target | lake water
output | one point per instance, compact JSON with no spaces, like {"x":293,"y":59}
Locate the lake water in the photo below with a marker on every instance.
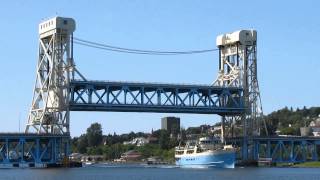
{"x":140,"y":172}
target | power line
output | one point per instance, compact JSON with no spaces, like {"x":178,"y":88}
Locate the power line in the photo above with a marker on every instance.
{"x":136,"y":51}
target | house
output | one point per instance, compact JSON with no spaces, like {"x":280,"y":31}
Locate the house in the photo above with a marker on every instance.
{"x":139,"y":141}
{"x":131,"y":155}
{"x":75,"y":156}
{"x":315,"y":126}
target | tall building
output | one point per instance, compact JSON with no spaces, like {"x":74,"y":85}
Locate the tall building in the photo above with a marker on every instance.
{"x":171,"y":124}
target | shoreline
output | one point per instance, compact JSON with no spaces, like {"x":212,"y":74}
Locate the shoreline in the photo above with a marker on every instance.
{"x":313,"y":164}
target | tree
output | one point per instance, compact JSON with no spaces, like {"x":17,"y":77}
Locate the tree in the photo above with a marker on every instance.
{"x":74,"y":144}
{"x":288,"y":131}
{"x":131,"y":135}
{"x":82,"y":143}
{"x":94,"y":135}
{"x":164,"y":139}
{"x":193,"y":130}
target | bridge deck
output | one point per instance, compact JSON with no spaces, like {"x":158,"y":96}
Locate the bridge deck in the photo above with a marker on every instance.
{"x":154,"y":97}
{"x":12,"y":135}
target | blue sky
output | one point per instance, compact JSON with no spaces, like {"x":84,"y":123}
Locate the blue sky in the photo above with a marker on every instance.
{"x":288,"y":44}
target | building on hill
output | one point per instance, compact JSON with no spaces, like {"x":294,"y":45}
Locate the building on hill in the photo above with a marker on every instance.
{"x":152,"y":139}
{"x":75,"y":156}
{"x":171,"y":124}
{"x":305,"y":131}
{"x":315,"y":126}
{"x":139,"y":141}
{"x":131,"y":155}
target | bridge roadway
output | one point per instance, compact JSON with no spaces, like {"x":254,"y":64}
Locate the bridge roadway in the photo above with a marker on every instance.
{"x":154,"y":97}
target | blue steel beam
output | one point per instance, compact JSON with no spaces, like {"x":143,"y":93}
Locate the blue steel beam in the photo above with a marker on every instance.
{"x":153,"y":97}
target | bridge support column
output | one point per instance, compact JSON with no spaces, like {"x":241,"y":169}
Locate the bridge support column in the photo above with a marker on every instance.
{"x":223,"y":129}
{"x":6,"y":160}
{"x":268,"y":149}
{"x":315,"y":152}
{"x":49,"y":111}
{"x":256,"y":150}
{"x":291,"y":151}
{"x":245,"y":149}
{"x":238,"y":68}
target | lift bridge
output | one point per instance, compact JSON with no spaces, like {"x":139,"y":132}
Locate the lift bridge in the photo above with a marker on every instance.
{"x":61,"y":88}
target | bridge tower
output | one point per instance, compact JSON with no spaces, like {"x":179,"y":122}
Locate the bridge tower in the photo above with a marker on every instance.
{"x":49,"y":111}
{"x":238,"y":68}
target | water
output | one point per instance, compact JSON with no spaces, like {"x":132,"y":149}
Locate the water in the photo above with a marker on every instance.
{"x":140,"y":172}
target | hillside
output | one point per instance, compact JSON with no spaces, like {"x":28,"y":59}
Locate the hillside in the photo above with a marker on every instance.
{"x":288,"y":121}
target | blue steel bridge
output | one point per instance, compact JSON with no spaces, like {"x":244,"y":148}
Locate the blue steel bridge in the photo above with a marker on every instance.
{"x":46,"y":149}
{"x":60,"y":88}
{"x":155,"y":97}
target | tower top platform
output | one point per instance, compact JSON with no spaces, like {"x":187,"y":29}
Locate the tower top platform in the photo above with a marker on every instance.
{"x":244,"y":37}
{"x":61,"y":24}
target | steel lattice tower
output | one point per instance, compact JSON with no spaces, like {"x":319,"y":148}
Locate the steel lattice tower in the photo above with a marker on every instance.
{"x":49,"y":111}
{"x":238,"y":68}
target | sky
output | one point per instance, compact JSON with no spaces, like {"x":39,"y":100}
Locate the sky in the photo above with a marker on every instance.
{"x":288,"y":47}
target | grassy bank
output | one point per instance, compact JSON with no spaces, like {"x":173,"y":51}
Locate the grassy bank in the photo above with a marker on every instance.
{"x":314,"y":164}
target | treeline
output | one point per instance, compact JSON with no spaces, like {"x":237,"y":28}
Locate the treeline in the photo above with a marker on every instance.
{"x":111,"y":146}
{"x":288,"y":120}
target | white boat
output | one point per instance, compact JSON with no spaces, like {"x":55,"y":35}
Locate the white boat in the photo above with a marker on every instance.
{"x":205,"y":152}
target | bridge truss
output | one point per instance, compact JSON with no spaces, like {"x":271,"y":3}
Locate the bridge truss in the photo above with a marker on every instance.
{"x":154,"y":97}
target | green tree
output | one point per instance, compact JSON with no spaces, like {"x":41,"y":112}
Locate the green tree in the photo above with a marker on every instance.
{"x":164,"y":139}
{"x":74,"y":144}
{"x":94,"y":135}
{"x":95,"y":150}
{"x":288,"y":131}
{"x":82,"y":144}
{"x":193,"y":130}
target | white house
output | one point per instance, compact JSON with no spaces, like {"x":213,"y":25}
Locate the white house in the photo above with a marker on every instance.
{"x":315,"y":126}
{"x":139,"y":141}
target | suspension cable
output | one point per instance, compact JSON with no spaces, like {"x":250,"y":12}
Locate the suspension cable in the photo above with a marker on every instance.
{"x":135,"y":51}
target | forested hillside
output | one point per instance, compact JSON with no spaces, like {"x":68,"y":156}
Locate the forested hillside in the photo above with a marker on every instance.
{"x":288,"y":120}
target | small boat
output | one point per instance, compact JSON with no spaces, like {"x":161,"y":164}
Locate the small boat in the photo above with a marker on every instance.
{"x":205,"y":152}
